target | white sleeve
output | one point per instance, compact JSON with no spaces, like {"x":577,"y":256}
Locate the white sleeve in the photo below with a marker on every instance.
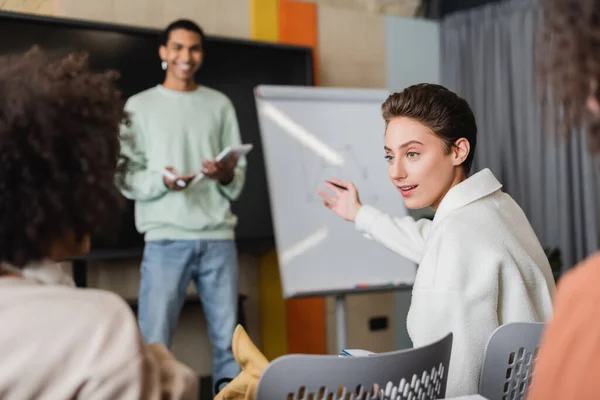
{"x":141,"y":183}
{"x":404,"y":236}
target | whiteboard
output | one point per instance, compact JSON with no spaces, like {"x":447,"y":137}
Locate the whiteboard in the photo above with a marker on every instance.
{"x":310,"y":134}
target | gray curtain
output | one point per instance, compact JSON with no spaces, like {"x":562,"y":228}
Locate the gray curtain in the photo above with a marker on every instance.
{"x":487,"y":57}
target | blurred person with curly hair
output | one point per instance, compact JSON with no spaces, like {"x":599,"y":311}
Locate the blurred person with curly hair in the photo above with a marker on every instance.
{"x":59,"y":155}
{"x":568,"y":63}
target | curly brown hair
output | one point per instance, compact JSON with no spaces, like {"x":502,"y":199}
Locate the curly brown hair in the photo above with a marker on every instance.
{"x":59,"y":153}
{"x":568,"y":63}
{"x":449,"y":116}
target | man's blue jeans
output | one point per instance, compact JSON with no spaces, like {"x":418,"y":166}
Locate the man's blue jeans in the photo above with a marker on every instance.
{"x":167,"y":268}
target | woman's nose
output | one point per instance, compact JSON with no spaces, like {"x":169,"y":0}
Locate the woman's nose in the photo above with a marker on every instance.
{"x":397,"y":170}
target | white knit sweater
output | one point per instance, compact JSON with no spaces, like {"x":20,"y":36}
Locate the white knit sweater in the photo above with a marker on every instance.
{"x":480,"y":266}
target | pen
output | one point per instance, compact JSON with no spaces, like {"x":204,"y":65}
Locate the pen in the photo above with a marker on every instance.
{"x":171,"y":175}
{"x":337,"y":186}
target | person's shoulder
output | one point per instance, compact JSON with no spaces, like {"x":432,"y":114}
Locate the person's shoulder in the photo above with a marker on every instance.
{"x":71,"y":305}
{"x":138,"y":100}
{"x":101,"y":305}
{"x":497,"y":208}
{"x":215,"y":96}
{"x":478,"y":227}
{"x":472,"y":220}
{"x":110,"y":301}
{"x":90,"y":315}
{"x":99,"y":321}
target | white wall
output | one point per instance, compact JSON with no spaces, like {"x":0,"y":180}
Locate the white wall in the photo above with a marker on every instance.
{"x":412,"y":52}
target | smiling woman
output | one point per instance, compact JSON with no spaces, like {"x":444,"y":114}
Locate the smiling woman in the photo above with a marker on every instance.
{"x":480,"y":263}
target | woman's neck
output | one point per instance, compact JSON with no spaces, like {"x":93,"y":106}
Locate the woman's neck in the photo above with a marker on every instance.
{"x":459,"y":176}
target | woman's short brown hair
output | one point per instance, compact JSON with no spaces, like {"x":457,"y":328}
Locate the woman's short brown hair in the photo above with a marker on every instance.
{"x":449,"y":116}
{"x":59,"y":153}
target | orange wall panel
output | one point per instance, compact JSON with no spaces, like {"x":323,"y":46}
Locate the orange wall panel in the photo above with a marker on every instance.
{"x":306,"y":329}
{"x":298,"y":25}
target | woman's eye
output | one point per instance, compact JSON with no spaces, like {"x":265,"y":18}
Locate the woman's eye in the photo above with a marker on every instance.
{"x":412,"y":155}
{"x":388,"y":158}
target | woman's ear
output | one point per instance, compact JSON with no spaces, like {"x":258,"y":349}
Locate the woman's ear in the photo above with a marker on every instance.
{"x":461,"y":151}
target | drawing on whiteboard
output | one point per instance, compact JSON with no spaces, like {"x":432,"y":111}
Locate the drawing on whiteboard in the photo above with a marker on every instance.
{"x":317,"y":171}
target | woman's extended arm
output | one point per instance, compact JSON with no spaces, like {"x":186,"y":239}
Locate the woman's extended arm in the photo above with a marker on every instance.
{"x":404,"y":236}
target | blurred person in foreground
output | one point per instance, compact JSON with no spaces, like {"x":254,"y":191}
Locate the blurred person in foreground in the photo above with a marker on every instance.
{"x":569,"y":66}
{"x":60,"y":146}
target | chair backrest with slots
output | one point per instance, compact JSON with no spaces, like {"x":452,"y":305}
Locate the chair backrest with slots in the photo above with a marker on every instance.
{"x":416,"y":374}
{"x":509,"y":361}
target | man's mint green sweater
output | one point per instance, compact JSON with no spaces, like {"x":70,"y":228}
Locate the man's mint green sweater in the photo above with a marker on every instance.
{"x":180,"y":129}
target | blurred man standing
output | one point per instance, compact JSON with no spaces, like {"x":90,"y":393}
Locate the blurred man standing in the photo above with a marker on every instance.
{"x":186,"y":219}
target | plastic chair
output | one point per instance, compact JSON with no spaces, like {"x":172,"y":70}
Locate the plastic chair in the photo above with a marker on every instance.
{"x":509,"y":361}
{"x":416,"y":374}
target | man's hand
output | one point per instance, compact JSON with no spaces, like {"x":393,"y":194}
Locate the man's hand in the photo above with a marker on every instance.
{"x":220,"y":171}
{"x":171,"y":184}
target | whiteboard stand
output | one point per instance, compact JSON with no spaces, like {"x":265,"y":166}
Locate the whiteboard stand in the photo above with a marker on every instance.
{"x":340,"y":321}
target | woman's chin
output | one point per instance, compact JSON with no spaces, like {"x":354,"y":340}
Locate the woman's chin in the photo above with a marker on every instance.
{"x":414,"y":204}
